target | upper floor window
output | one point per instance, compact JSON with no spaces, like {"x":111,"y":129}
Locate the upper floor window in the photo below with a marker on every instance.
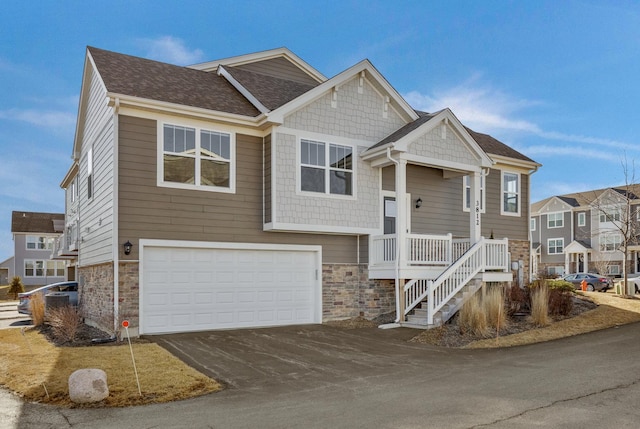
{"x":532,"y":224}
{"x":35,"y":242}
{"x":510,"y":194}
{"x":555,"y":246}
{"x":197,"y":158}
{"x":610,"y":215}
{"x":555,"y":220}
{"x":326,"y":168}
{"x":90,"y":174}
{"x":467,"y":194}
{"x":610,"y":242}
{"x":582,"y":219}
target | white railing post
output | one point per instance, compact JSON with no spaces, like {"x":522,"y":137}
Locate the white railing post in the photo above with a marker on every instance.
{"x":449,"y":249}
{"x":430,"y":305}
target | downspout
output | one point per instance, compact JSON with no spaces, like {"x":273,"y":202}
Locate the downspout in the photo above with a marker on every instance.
{"x":115,"y":246}
{"x":397,"y":261}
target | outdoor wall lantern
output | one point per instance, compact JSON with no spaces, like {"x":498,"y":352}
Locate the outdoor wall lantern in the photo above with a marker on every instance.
{"x":127,"y":247}
{"x":419,"y":203}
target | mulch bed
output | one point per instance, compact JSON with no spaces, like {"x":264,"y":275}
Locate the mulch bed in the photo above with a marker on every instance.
{"x":450,"y":334}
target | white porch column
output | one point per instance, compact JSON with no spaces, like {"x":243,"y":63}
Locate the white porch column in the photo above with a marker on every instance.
{"x":567,"y":263}
{"x":585,"y":262}
{"x":401,"y":208}
{"x":475,"y":222}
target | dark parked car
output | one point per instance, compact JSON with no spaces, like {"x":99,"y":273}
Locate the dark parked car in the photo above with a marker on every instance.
{"x":62,"y":288}
{"x":594,"y":281}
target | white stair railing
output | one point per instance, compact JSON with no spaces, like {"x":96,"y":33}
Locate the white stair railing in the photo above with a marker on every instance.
{"x":439,"y":291}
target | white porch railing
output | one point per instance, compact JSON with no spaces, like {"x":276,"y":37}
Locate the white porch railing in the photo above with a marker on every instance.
{"x":420,"y":249}
{"x":487,"y":254}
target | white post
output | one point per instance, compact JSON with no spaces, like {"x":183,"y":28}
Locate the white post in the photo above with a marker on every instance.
{"x":585,"y":262}
{"x":567,"y":263}
{"x":475,"y":223}
{"x":401,"y":208}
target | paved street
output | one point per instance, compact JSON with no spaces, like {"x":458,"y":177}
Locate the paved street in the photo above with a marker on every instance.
{"x":375,"y":379}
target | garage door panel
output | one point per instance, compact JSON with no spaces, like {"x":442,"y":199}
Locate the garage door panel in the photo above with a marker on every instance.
{"x":199,"y":289}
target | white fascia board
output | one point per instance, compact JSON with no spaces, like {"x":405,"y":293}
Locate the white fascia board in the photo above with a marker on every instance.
{"x":179,"y":109}
{"x":277,"y":115}
{"x":239,"y":60}
{"x":441,"y":163}
{"x":530,"y":166}
{"x":544,"y":208}
{"x":244,"y":91}
{"x":446,"y":114}
{"x":71,"y":174}
{"x":89,"y":69}
{"x":315,"y":229}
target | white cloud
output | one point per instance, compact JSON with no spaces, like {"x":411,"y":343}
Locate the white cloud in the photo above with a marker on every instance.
{"x":171,"y":50}
{"x":547,"y":150}
{"x":489,"y":110}
{"x":53,"y":119}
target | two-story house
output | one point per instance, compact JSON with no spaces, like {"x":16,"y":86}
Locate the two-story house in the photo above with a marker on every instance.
{"x":254,"y":191}
{"x":34,"y":237}
{"x":583,"y":232}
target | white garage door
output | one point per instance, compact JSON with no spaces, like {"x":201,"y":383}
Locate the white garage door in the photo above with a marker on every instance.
{"x":193,"y":289}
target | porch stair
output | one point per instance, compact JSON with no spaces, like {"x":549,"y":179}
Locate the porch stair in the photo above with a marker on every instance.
{"x":429,"y":303}
{"x":418,"y":318}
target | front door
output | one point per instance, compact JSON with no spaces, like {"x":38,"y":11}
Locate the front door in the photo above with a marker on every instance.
{"x":390,"y":212}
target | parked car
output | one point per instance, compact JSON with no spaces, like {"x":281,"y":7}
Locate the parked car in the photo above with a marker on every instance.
{"x":594,"y":281}
{"x":63,"y":288}
{"x":633,"y":280}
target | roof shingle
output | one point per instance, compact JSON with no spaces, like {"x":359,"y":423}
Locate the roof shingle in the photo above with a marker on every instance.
{"x":47,"y":223}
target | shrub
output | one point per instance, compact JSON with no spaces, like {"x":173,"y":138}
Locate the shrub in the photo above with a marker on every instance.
{"x":516,"y":300}
{"x":560,"y":302}
{"x":15,"y":287}
{"x":540,"y":305}
{"x":65,"y":323}
{"x":561,"y":285}
{"x":494,"y":306}
{"x":36,"y":305}
{"x":472,"y":317}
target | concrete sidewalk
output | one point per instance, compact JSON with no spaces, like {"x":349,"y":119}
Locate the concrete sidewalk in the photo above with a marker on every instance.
{"x":9,"y":316}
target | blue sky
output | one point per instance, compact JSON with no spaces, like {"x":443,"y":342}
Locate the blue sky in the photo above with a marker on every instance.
{"x":558,"y":81}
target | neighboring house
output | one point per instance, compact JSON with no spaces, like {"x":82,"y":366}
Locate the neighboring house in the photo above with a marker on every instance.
{"x":34,"y":237}
{"x":254,"y":191}
{"x":6,"y":271}
{"x":583,"y":232}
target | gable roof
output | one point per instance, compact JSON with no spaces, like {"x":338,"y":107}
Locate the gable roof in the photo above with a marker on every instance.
{"x":139,"y":77}
{"x":271,"y":92}
{"x":586,"y":198}
{"x":46,"y":223}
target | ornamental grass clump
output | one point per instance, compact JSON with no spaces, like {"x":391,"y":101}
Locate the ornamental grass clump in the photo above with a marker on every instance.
{"x":473,"y":318}
{"x":540,"y":305}
{"x":65,"y":323}
{"x":494,"y":305}
{"x":36,"y":305}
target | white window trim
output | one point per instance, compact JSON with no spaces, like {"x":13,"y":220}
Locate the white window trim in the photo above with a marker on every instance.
{"x":327,"y":193}
{"x":44,"y":262}
{"x":582,"y":216}
{"x":91,"y":179}
{"x":616,"y":242}
{"x":47,"y":240}
{"x":549,"y":246}
{"x":483,"y":194}
{"x":198,"y":127}
{"x":533,"y":224}
{"x":555,"y":220}
{"x":518,"y":192}
{"x":605,"y":211}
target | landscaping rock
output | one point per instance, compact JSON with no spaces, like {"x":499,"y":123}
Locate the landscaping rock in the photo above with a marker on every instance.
{"x":88,"y":385}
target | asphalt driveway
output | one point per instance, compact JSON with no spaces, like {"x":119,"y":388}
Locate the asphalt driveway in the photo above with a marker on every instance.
{"x":296,"y":356}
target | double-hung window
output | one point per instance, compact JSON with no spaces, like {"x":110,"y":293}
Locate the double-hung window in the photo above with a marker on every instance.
{"x":555,"y":246}
{"x":532,"y":224}
{"x":197,"y":158}
{"x":510,"y":194}
{"x":555,"y":220}
{"x":610,"y":215}
{"x":326,"y":168}
{"x":90,"y":180}
{"x":610,"y":242}
{"x":46,"y":268}
{"x":35,"y":242}
{"x":582,"y":219}
{"x":467,"y":194}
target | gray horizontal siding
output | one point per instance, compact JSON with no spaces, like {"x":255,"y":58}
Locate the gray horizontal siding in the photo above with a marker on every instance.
{"x":152,"y":212}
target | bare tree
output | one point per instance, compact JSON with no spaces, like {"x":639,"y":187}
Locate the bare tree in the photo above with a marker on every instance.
{"x":615,"y":211}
